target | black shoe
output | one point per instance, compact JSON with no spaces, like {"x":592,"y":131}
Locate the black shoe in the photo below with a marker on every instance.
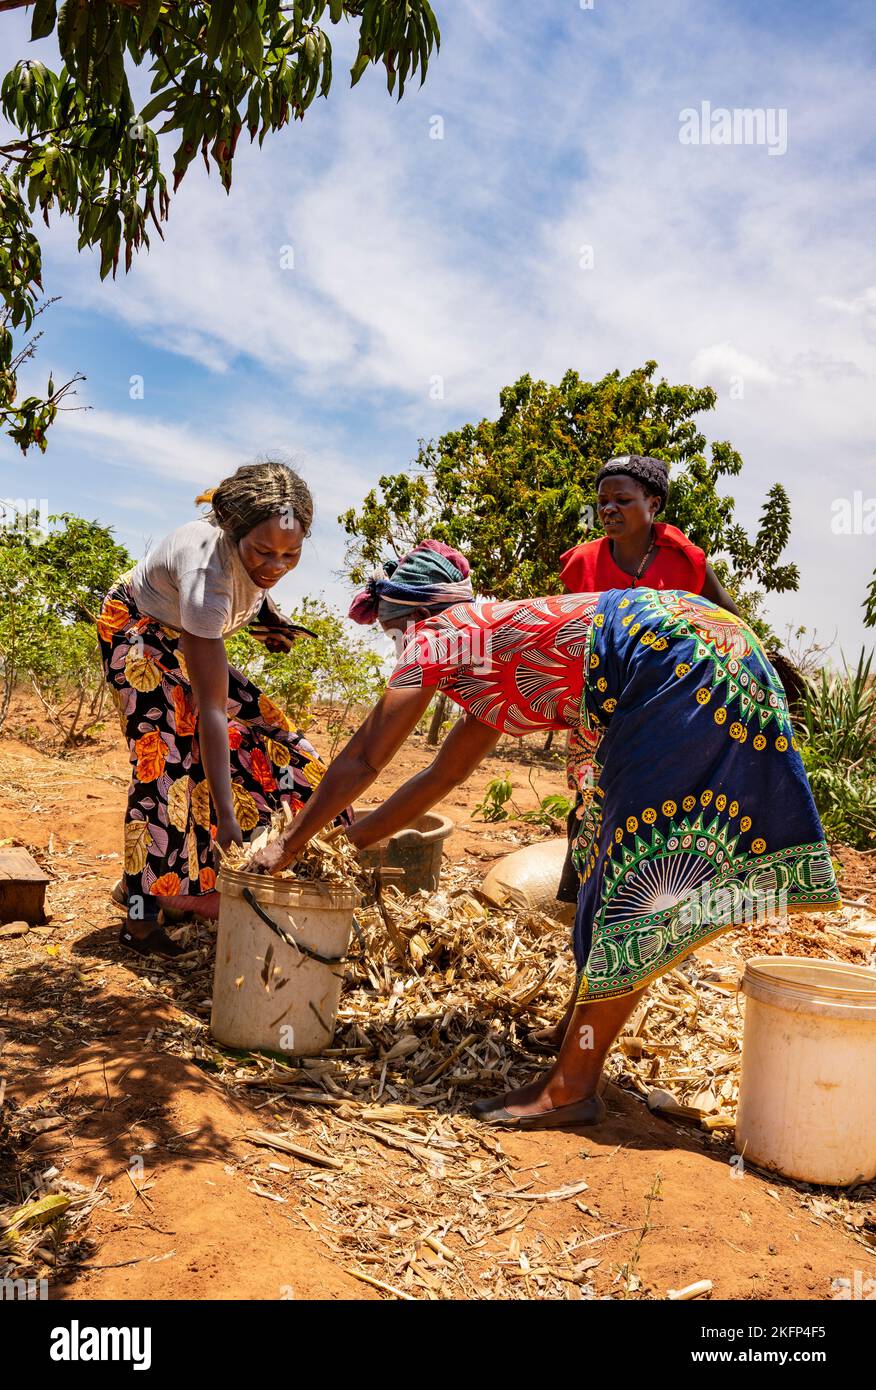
{"x":583,"y":1112}
{"x":157,"y":943}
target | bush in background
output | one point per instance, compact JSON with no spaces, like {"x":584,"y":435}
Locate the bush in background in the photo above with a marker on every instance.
{"x":333,"y":669}
{"x":838,"y":747}
{"x":51,"y":589}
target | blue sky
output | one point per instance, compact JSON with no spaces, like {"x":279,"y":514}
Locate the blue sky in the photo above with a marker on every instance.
{"x":417,"y":257}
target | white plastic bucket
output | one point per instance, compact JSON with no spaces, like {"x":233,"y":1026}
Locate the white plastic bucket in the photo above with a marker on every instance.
{"x":807,"y":1093}
{"x":270,"y":992}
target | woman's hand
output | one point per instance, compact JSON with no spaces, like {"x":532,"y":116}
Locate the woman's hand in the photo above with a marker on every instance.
{"x":467,"y":744}
{"x":357,"y":833}
{"x":272,"y":859}
{"x":228,"y":832}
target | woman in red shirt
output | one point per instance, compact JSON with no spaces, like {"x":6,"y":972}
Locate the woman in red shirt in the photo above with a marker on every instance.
{"x":638,"y":550}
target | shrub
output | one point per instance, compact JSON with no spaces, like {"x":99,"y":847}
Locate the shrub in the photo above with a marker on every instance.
{"x":838,"y":747}
{"x":51,"y":588}
{"x":334,"y":669}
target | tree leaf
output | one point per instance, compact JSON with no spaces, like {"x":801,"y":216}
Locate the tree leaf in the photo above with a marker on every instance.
{"x":150,"y":13}
{"x":219,"y":27}
{"x":358,"y":68}
{"x":44,"y":18}
{"x":164,"y":101}
{"x":252,"y":46}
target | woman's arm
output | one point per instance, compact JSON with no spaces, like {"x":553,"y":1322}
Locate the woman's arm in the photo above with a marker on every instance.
{"x":467,"y":744}
{"x":207,"y":664}
{"x":714,"y":590}
{"x":374,"y":745}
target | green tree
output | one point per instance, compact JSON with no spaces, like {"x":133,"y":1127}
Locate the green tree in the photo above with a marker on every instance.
{"x":79,"y":146}
{"x":20,"y":610}
{"x":337,"y":670}
{"x":51,"y":588}
{"x":515,"y":492}
{"x":836,"y":730}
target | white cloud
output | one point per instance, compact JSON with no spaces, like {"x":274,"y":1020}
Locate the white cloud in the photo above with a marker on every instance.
{"x":147,"y":446}
{"x":863,"y":303}
{"x":722,"y":361}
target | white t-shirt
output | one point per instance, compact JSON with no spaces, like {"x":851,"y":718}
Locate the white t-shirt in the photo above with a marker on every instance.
{"x":194,"y":580}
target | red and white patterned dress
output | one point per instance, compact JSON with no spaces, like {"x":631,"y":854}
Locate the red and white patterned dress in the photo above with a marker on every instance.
{"x":517,"y":666}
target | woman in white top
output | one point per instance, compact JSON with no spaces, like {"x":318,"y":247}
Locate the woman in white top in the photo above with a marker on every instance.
{"x":212,"y":756}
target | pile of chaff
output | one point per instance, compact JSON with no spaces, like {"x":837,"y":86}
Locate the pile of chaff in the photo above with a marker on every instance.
{"x":43,"y":1216}
{"x":327,"y":858}
{"x":371,"y":1144}
{"x":445,"y":982}
{"x":682,"y":1048}
{"x":436,"y":1006}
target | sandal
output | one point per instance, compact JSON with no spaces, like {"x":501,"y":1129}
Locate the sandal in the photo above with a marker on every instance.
{"x":157,"y":943}
{"x":582,"y":1112}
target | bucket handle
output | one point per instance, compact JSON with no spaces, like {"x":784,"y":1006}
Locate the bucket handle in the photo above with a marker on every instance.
{"x":284,"y":935}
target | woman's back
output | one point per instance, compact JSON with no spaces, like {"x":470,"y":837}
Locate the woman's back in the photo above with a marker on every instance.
{"x":517,"y":665}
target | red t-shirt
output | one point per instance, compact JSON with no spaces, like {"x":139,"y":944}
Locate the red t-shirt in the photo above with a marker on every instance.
{"x":677,"y":564}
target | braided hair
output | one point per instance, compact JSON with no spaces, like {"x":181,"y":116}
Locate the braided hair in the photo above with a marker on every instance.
{"x":256,"y":492}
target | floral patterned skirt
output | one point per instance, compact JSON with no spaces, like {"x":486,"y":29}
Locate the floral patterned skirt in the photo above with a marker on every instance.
{"x":170,"y":822}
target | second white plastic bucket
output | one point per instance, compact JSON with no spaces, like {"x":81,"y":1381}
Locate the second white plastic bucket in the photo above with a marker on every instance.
{"x":807,"y":1093}
{"x":280,"y":949}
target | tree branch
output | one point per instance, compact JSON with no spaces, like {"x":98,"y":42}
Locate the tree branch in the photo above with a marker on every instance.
{"x":26,"y":4}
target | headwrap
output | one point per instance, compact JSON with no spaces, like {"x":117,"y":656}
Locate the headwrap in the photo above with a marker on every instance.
{"x":432,"y":575}
{"x":653,"y":472}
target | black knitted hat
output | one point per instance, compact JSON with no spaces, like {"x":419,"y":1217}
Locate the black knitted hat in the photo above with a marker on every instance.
{"x":652,"y":472}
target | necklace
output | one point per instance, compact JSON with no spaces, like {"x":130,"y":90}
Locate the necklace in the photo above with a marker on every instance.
{"x":638,"y":573}
{"x":642,"y":563}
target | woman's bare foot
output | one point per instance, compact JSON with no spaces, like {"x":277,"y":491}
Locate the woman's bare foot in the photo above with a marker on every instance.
{"x":546,"y":1092}
{"x":543,"y":1104}
{"x":205,"y":905}
{"x":571,"y":1086}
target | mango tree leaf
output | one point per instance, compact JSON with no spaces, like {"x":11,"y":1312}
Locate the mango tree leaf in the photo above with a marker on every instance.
{"x":358,"y":68}
{"x":150,"y":12}
{"x":44,"y":17}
